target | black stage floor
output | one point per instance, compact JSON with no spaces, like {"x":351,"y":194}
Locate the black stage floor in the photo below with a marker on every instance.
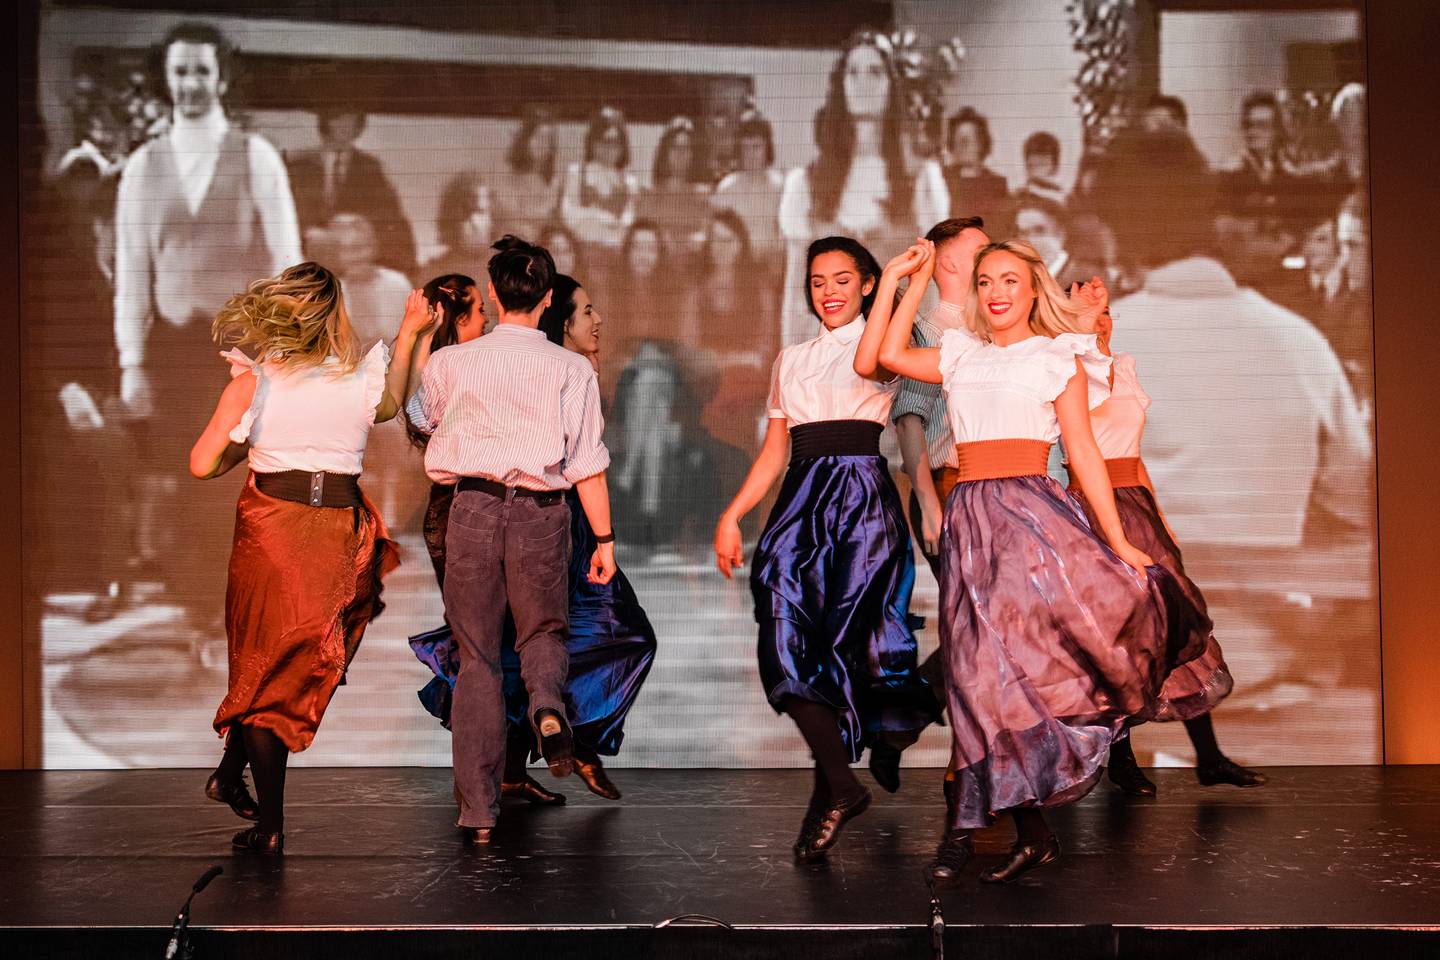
{"x":1340,"y":861}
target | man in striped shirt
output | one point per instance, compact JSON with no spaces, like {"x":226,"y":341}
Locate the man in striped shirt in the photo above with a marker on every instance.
{"x":922,"y":426}
{"x":514,"y":422}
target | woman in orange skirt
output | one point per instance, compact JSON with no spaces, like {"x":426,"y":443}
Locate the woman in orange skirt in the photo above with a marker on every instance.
{"x":309,"y":549}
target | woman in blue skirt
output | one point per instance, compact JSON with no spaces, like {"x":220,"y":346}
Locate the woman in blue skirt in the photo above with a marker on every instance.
{"x":611,"y":642}
{"x":833,"y":571}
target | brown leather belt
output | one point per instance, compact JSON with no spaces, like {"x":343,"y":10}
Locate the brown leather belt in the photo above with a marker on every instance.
{"x":319,"y":489}
{"x":498,"y":490}
{"x":998,"y":459}
{"x":1124,"y":472}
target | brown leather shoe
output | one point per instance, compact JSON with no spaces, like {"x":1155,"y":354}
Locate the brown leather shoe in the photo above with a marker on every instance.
{"x":235,"y":795}
{"x":1023,"y":858}
{"x":592,"y":772}
{"x":253,"y":841}
{"x":826,"y":832}
{"x":477,"y":836}
{"x":531,"y":792}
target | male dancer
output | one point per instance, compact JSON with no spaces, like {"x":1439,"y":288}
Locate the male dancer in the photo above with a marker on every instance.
{"x":202,"y":210}
{"x":514,"y":422}
{"x":927,"y":450}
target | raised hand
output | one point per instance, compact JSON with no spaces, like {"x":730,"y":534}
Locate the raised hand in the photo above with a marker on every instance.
{"x":420,"y":316}
{"x":906,"y":262}
{"x":1092,"y":298}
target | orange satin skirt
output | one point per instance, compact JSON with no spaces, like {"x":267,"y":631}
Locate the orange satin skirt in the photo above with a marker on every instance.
{"x":304,"y":583}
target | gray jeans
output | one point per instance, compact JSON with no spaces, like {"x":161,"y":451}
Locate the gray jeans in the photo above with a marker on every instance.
{"x":502,"y":552}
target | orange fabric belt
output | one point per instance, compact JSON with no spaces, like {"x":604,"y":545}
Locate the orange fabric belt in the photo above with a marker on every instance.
{"x":945,"y":479}
{"x":996,"y":459}
{"x":1124,"y":472}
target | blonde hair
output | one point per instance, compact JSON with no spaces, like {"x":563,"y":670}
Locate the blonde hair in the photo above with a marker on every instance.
{"x":1052,"y":312}
{"x":297,"y":319}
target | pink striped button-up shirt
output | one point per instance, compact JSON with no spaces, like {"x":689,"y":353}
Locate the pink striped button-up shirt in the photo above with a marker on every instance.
{"x":511,"y":406}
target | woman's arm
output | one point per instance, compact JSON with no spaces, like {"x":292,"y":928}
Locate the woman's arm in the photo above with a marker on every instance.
{"x":1072,"y":408}
{"x":896,"y":351}
{"x":214,"y":454}
{"x":769,"y":463}
{"x":867,"y":352}
{"x":419,"y":318}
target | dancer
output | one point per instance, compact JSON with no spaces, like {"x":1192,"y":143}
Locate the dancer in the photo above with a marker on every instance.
{"x":514,"y":422}
{"x":611,"y":643}
{"x":1193,"y":689}
{"x":833,"y":570}
{"x":310,"y":549}
{"x":1054,"y":639}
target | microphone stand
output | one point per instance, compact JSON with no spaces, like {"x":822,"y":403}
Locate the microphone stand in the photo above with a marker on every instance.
{"x":180,"y":947}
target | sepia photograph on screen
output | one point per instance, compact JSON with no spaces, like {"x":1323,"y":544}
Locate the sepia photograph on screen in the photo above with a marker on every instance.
{"x":677,"y":164}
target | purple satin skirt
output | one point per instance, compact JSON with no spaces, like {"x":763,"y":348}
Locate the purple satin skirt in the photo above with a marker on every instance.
{"x":1194,"y":687}
{"x":1052,"y":646}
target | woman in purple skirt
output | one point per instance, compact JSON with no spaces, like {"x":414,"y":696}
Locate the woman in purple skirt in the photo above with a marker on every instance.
{"x":1193,"y":689}
{"x":1055,"y":636}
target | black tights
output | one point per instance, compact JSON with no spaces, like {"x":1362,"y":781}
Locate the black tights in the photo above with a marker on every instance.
{"x":1202,"y":737}
{"x":820,"y":726}
{"x":233,"y":760}
{"x":268,"y":757}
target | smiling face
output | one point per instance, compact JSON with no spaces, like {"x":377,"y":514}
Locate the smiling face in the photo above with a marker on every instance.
{"x":837,"y":290}
{"x":753,"y":154}
{"x":192,"y":71}
{"x":582,"y":330}
{"x":680,"y":156}
{"x":1005,"y":291}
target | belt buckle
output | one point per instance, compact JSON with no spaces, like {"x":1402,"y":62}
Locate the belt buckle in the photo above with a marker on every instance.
{"x":317,"y":488}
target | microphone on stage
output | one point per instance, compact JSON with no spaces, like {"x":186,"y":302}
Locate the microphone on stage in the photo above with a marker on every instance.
{"x":179,"y":947}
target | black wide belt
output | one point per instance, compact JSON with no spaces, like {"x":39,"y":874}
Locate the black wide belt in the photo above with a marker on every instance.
{"x":495,"y":488}
{"x":318,"y":489}
{"x":835,"y":438}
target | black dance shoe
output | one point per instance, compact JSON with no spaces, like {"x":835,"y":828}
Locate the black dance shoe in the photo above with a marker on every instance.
{"x":235,"y":795}
{"x":826,"y":831}
{"x":1228,"y":771}
{"x":253,"y":841}
{"x":955,"y":850}
{"x":477,"y":836}
{"x":1127,"y":775}
{"x":1023,"y":858}
{"x":885,"y":765}
{"x":558,"y":749}
{"x":592,"y":774}
{"x":530,"y":790}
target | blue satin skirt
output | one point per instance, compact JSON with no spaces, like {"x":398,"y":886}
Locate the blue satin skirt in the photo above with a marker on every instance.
{"x":832,"y":577}
{"x":611,"y":644}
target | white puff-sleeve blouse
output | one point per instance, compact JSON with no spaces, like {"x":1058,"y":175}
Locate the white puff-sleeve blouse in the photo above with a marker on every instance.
{"x":1008,"y":393}
{"x":312,"y":418}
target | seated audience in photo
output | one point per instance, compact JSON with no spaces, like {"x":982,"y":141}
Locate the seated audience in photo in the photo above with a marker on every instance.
{"x":526,"y":194}
{"x":1045,"y":226}
{"x":1042,"y":167}
{"x":341,"y":177}
{"x":597,"y":199}
{"x":465,"y":223}
{"x":1255,"y":434}
{"x":664,"y":470}
{"x":752,"y":191}
{"x":679,"y":192}
{"x":975,"y":189}
{"x":564,"y":249}
{"x":648,"y":284}
{"x":374,"y":293}
{"x":1164,"y":113}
